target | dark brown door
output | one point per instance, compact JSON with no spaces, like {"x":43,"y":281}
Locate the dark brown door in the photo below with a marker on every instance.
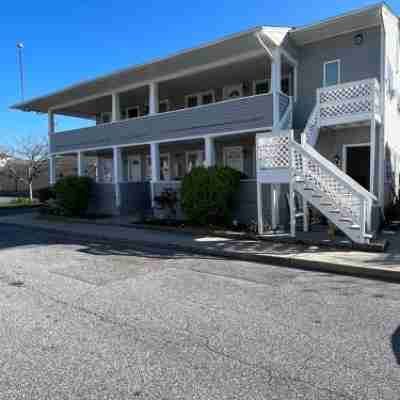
{"x":357,"y":164}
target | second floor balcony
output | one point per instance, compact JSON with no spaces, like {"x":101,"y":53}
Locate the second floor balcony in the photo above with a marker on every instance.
{"x":229,"y":99}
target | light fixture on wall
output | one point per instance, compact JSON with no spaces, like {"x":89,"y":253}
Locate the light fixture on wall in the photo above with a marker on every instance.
{"x":358,"y":39}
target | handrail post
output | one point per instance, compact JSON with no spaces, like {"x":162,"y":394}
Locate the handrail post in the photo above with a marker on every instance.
{"x":362,"y":216}
{"x":291,"y":186}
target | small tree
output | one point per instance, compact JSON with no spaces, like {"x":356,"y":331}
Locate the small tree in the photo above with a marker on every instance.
{"x":25,"y":160}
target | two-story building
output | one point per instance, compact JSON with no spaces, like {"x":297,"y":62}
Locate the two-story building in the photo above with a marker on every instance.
{"x":308,"y":112}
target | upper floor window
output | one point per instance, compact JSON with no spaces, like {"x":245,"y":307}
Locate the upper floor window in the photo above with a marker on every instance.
{"x":105,"y":118}
{"x":197,"y":99}
{"x":163,"y":106}
{"x":132,"y":112}
{"x":332,"y":73}
{"x":262,"y":86}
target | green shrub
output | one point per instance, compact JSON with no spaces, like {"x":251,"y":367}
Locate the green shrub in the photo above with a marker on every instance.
{"x":72,"y":194}
{"x":44,"y":194}
{"x":207,"y":194}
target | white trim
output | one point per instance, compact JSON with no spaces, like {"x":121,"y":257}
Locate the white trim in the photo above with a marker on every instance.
{"x":337,"y":61}
{"x":344,"y":153}
{"x":227,"y":149}
{"x":258,"y":130}
{"x":163,"y":78}
{"x":199,"y":96}
{"x":198,"y":153}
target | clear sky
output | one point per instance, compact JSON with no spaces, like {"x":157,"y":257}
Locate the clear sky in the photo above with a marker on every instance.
{"x":79,"y":39}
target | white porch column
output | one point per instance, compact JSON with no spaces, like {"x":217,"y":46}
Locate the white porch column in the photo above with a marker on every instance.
{"x":276,"y":81}
{"x":155,"y":168}
{"x":81,"y":163}
{"x":153,"y":98}
{"x":116,"y":114}
{"x":117,"y":169}
{"x":97,"y":171}
{"x":275,"y":194}
{"x":51,"y":122}
{"x":372,"y":157}
{"x":52,"y":169}
{"x":209,"y":146}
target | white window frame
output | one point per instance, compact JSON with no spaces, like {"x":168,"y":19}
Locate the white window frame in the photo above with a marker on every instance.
{"x":130,"y":158}
{"x":199,"y":96}
{"x":257,"y":81}
{"x":127,"y":109}
{"x":109,"y":113}
{"x":234,"y":148}
{"x":199,"y":153}
{"x":229,"y":88}
{"x":338,"y":62}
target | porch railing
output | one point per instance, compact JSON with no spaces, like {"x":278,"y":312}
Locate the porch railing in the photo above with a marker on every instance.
{"x":348,"y":102}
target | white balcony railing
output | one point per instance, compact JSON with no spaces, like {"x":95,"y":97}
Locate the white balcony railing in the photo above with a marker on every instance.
{"x":348,"y":102}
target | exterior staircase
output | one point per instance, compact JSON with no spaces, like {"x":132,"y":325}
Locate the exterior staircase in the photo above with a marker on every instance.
{"x":318,"y":181}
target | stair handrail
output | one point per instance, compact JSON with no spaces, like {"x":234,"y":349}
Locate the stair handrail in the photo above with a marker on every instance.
{"x":288,"y":115}
{"x":331,"y":168}
{"x":310,"y":122}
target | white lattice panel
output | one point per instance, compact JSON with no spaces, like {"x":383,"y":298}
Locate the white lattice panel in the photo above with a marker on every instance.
{"x":346,"y":92}
{"x":273,"y":152}
{"x":346,"y":109}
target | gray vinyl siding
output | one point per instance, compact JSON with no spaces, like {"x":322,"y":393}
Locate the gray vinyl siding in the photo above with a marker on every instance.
{"x":244,"y":114}
{"x":357,"y":63}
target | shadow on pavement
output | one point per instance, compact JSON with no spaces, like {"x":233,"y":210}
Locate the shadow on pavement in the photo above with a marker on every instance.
{"x":396,"y":344}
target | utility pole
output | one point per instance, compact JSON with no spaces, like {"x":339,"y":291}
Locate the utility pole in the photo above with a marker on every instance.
{"x":20,"y":47}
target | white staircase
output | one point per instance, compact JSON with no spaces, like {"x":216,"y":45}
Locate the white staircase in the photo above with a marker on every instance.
{"x":320,"y":182}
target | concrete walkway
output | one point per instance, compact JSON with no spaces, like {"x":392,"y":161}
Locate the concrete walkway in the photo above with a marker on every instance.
{"x":375,"y":265}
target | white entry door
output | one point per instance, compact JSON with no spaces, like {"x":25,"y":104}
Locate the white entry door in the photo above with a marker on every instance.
{"x":134,"y":168}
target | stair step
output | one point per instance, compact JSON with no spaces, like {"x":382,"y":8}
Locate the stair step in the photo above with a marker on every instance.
{"x":325,"y":204}
{"x":308,"y":188}
{"x":334,"y":211}
{"x":345,"y":220}
{"x":355,"y":227}
{"x":317,"y":196}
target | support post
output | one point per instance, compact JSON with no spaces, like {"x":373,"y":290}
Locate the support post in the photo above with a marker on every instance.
{"x":153,"y":98}
{"x":52,"y":169}
{"x":81,"y":163}
{"x":155,"y":168}
{"x":292,"y":204}
{"x":260,"y":209}
{"x":209,"y":151}
{"x":276,"y":82}
{"x":116,"y":114}
{"x":97,"y":170}
{"x":306,"y":216}
{"x":275,"y":193}
{"x":51,"y":122}
{"x":117,"y":161}
{"x":372,"y":155}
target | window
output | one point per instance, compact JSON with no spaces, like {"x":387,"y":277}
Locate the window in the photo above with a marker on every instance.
{"x":147,"y":169}
{"x":262,"y":86}
{"x":163,"y":106}
{"x":232,"y":91}
{"x":132,"y":112}
{"x":105,"y":117}
{"x":197,"y":99}
{"x":194,"y":159}
{"x":179,"y":166}
{"x":332,"y":73}
{"x":233,"y":157}
{"x":164,"y":167}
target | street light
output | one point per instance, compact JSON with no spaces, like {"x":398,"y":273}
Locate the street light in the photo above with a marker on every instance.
{"x":20,"y":47}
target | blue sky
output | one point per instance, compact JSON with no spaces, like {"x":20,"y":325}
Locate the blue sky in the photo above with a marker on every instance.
{"x":86,"y":38}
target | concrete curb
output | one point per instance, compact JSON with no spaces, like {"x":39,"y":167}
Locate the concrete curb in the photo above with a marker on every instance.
{"x":382,"y":274}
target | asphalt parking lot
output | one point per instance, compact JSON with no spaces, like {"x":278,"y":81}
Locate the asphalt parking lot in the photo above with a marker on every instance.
{"x":83,"y":319}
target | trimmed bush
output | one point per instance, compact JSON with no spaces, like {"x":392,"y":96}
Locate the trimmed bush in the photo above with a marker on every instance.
{"x":207,"y":195}
{"x":72,"y":194}
{"x":44,"y":194}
